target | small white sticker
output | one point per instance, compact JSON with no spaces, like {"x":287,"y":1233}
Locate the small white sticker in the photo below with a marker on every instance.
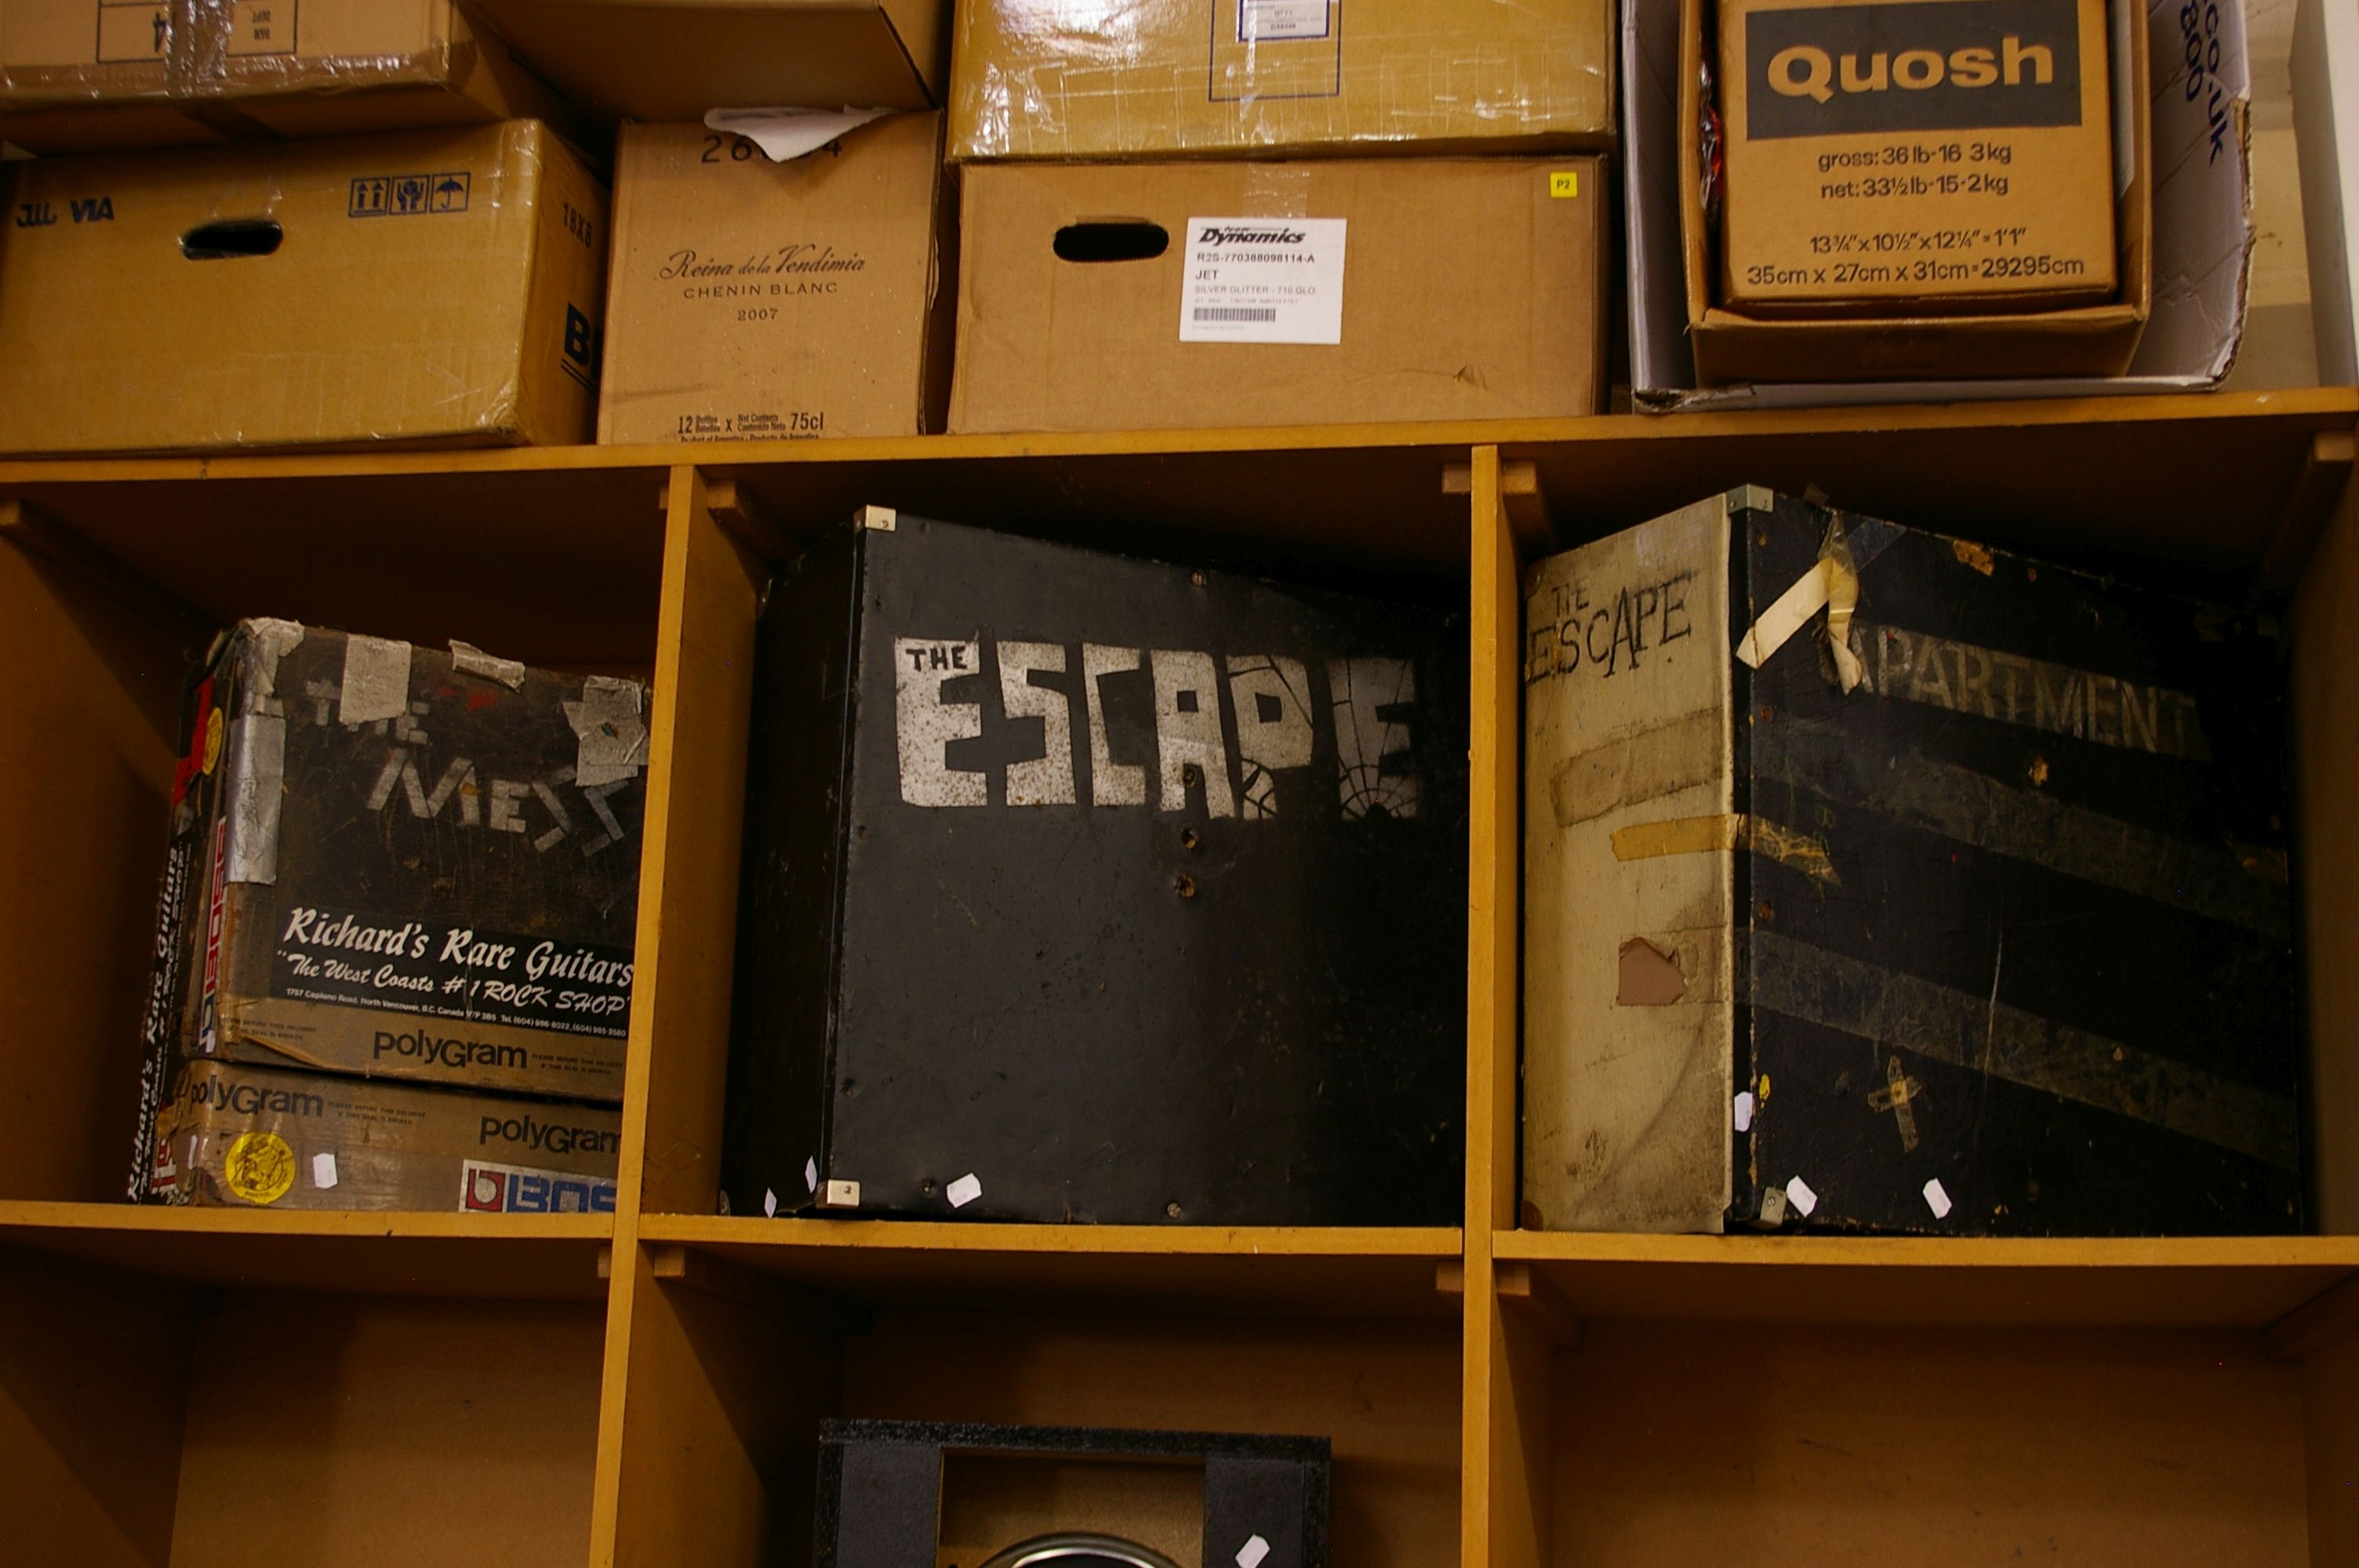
{"x":963,"y":1191}
{"x":1937,"y":1198}
{"x":1250,"y":1554}
{"x":1263,"y":280}
{"x":769,"y":1204}
{"x":1742,"y":1111}
{"x":810,"y":1174}
{"x":1798,"y":1194}
{"x":1260,"y":19}
{"x":323,"y":1171}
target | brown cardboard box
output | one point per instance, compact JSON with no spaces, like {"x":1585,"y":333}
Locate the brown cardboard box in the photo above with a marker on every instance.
{"x":674,"y":60}
{"x":1948,"y":155}
{"x":749,"y":299}
{"x":440,"y":286}
{"x":1163,"y":77}
{"x":1470,"y":288}
{"x":191,"y":70}
{"x":1930,"y":342}
{"x":240,"y":1137}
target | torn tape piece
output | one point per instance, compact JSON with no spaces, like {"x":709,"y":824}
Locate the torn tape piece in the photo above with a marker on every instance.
{"x":323,"y":1170}
{"x":267,"y":642}
{"x":256,"y":788}
{"x":1251,"y":1553}
{"x":1702,"y":835}
{"x":1937,"y":1198}
{"x":1831,"y":585}
{"x":785,"y":134}
{"x":1798,"y":1194}
{"x":810,"y":1174}
{"x":769,"y":1204}
{"x":1741,"y":1111}
{"x":376,"y":680}
{"x":963,"y":1191}
{"x":612,"y":737}
{"x":471,"y":660}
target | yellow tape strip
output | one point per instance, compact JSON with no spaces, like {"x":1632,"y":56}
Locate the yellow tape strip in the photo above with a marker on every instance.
{"x":1703,"y":835}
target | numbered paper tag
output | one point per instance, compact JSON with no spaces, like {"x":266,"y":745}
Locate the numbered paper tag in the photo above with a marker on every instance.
{"x":1263,"y":280}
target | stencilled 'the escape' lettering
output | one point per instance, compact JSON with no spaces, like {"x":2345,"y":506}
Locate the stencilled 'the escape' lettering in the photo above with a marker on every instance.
{"x":1609,"y":634}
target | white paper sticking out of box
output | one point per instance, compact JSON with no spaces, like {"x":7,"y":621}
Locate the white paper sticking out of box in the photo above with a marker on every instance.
{"x":1263,"y":280}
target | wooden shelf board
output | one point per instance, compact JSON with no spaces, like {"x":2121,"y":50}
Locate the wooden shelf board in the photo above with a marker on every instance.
{"x":520,"y":1257}
{"x":1260,"y":1271}
{"x":2205,"y":479}
{"x":2183,"y":1283}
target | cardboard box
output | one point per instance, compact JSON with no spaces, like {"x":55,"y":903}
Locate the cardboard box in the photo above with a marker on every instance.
{"x":400,"y":863}
{"x":1085,"y":889}
{"x":1264,"y":78}
{"x":1880,"y":881}
{"x":2200,"y":236}
{"x":105,"y":75}
{"x":237,"y":1136}
{"x":1913,"y":156}
{"x":675,"y":60}
{"x":1468,"y":289}
{"x":1738,"y":343}
{"x":2325,"y":63}
{"x":747,"y":299}
{"x":436,"y":286}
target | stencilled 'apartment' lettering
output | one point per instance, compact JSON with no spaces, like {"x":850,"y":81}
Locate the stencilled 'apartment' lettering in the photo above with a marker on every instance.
{"x":1916,"y":666}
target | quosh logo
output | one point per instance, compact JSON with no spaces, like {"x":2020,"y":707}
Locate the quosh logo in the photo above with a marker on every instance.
{"x":1947,"y":65}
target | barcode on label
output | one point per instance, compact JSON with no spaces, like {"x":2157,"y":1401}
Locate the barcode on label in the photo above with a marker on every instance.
{"x":1236,"y":313}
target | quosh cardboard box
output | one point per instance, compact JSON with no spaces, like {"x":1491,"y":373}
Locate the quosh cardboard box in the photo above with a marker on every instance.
{"x":101,"y":75}
{"x":1733,"y":341}
{"x":749,"y":299}
{"x":1096,"y":297}
{"x":1163,"y":77}
{"x":436,"y":286}
{"x":1884,"y":155}
{"x":2198,"y":221}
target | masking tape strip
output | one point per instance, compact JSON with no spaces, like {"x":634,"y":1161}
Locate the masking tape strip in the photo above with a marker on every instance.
{"x":1832,"y":585}
{"x":1839,"y":992}
{"x":1702,"y":835}
{"x":376,"y":680}
{"x":471,"y":660}
{"x":1277,"y":191}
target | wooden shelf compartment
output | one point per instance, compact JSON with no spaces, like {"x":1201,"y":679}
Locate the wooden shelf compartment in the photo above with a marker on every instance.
{"x":729,"y":1371}
{"x":100,"y":643}
{"x":146,"y":1421}
{"x":1775,"y":1400}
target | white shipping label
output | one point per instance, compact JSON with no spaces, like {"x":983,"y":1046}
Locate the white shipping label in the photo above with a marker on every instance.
{"x":1258,"y":20}
{"x":1263,"y":280}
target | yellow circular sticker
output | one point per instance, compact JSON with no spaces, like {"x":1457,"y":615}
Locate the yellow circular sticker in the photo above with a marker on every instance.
{"x":260,"y":1167}
{"x":212,"y":739}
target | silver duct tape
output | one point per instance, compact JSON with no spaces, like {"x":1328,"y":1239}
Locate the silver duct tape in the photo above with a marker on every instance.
{"x":473,"y":661}
{"x":1982,"y":1034}
{"x":254,"y":786}
{"x":612,"y":736}
{"x":376,"y":680}
{"x":267,"y":642}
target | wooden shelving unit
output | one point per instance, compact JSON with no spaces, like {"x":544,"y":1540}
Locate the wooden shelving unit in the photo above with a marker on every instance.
{"x":191,"y":1388}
